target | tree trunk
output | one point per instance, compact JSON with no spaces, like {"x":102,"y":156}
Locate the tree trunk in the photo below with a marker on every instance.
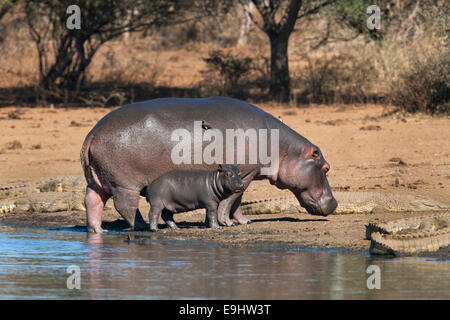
{"x":279,"y":68}
{"x":71,"y":62}
{"x":245,"y":25}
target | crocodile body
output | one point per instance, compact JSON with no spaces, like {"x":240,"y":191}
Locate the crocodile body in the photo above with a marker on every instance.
{"x":43,"y":202}
{"x":411,"y":236}
{"x":54,"y":184}
{"x":349,"y":202}
{"x":59,"y":193}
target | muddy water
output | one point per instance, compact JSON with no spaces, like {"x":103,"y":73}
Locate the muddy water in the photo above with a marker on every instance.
{"x":34,"y":264}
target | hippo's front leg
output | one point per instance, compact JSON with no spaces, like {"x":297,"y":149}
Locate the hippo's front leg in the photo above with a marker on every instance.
{"x":236,"y":213}
{"x":168,"y":219}
{"x":224,"y":210}
{"x":211,"y":217}
{"x":230,"y":207}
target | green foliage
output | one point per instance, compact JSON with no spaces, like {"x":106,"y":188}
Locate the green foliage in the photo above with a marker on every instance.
{"x":5,"y":6}
{"x":353,"y":15}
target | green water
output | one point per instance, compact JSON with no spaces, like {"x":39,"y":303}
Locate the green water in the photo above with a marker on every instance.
{"x":34,"y":265}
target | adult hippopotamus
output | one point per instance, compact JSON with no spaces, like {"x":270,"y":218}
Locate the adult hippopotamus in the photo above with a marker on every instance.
{"x":135,"y":144}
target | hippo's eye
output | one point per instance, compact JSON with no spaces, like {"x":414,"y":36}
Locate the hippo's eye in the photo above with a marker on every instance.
{"x":315,"y":154}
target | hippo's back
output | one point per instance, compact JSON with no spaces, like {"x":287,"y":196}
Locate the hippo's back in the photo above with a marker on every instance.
{"x":170,"y":112}
{"x":131,"y":146}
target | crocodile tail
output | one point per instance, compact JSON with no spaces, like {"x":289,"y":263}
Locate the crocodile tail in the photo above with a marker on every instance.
{"x":373,"y":227}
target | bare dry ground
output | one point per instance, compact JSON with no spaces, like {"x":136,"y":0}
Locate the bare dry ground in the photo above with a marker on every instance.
{"x":368,"y":148}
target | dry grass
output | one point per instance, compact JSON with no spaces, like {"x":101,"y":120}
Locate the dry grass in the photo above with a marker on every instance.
{"x":417,"y":76}
{"x":343,"y":78}
{"x":18,"y":60}
{"x":411,"y":73}
{"x":171,"y":61}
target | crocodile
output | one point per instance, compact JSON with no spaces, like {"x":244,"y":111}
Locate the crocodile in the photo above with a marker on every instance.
{"x":411,"y":236}
{"x":349,"y":202}
{"x":54,"y":184}
{"x":48,"y":202}
{"x":408,"y":236}
{"x":59,"y":193}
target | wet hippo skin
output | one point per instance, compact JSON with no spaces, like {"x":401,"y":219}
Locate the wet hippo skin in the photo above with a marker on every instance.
{"x":132,"y":146}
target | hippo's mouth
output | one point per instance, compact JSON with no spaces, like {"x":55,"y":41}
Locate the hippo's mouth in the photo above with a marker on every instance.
{"x":312,"y":208}
{"x":323,"y":207}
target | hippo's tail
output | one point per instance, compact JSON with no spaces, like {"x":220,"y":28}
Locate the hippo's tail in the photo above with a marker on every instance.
{"x":84,"y":157}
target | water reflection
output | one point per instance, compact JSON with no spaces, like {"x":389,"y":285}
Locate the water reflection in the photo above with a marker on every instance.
{"x":95,"y":256}
{"x":34,"y":263}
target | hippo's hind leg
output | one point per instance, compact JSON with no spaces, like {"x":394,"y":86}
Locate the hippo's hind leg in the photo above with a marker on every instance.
{"x":126,"y":203}
{"x":168,"y":219}
{"x":94,"y":202}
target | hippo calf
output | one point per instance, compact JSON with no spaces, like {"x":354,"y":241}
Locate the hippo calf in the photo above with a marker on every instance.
{"x":185,"y":190}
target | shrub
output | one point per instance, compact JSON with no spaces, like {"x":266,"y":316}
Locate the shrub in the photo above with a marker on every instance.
{"x":229,"y":69}
{"x":345,"y":78}
{"x":425,"y":87}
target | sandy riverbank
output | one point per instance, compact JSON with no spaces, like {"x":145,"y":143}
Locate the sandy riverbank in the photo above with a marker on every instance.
{"x":367,"y":150}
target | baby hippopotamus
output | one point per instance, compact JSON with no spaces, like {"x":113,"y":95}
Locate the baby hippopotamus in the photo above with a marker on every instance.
{"x":185,"y":190}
